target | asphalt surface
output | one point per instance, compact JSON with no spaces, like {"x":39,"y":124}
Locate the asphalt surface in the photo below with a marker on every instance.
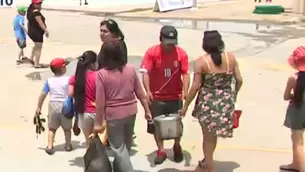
{"x":260,"y":144}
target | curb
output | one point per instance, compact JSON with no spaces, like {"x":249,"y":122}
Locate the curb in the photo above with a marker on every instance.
{"x":92,"y":11}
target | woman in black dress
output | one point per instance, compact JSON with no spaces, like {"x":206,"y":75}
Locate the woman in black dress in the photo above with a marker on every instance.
{"x":36,"y":29}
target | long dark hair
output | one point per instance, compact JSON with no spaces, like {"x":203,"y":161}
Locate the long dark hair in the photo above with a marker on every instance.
{"x":299,"y":90}
{"x":213,"y":45}
{"x":114,"y":29}
{"x":29,"y":10}
{"x":85,"y":62}
{"x":112,"y":55}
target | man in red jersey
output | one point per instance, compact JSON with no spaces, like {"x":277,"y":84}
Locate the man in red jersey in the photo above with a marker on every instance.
{"x":162,"y":68}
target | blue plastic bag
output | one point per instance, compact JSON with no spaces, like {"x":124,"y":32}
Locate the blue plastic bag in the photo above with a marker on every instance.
{"x":68,"y":108}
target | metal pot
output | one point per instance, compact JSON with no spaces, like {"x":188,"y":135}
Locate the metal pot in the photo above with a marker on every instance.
{"x":168,"y":126}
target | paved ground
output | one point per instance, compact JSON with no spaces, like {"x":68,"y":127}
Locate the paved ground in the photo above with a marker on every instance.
{"x":229,"y":10}
{"x":240,"y":10}
{"x":260,"y":144}
{"x":232,"y":10}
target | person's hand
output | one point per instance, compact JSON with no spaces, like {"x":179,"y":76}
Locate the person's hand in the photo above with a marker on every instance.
{"x":182,"y":111}
{"x":91,"y":136}
{"x":149,"y":97}
{"x":46,"y":33}
{"x":38,"y":112}
{"x":99,"y":129}
{"x":93,"y":104}
{"x":148,"y":116}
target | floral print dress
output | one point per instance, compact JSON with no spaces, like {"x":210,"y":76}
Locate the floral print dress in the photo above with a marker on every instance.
{"x":215,"y":104}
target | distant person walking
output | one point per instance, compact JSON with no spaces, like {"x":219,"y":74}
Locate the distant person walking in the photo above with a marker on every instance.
{"x":295,"y":114}
{"x":20,"y":33}
{"x":85,"y":3}
{"x":37,"y":28}
{"x":215,"y":104}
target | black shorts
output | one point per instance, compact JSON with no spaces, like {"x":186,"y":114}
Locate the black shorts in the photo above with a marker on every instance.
{"x":36,"y":36}
{"x":158,"y":108}
{"x":21,"y":43}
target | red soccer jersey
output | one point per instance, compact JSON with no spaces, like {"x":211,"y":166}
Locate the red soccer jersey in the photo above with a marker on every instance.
{"x":165,"y":70}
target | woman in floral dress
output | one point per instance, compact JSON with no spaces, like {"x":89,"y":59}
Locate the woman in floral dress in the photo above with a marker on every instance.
{"x":214,"y":107}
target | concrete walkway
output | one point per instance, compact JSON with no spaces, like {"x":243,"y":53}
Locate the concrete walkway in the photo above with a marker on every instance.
{"x":230,"y":10}
{"x":260,"y":144}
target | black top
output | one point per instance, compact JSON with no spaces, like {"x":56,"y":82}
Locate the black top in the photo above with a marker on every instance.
{"x":124,"y":52}
{"x":33,"y":24}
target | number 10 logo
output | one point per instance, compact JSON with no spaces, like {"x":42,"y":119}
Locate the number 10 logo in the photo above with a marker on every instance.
{"x":167,"y":72}
{"x":6,"y":3}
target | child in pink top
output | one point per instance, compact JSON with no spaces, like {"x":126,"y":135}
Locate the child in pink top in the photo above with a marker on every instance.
{"x":82,"y":88}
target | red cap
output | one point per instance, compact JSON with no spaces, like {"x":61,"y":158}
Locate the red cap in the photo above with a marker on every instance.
{"x":58,"y":63}
{"x":297,"y":59}
{"x":36,"y":1}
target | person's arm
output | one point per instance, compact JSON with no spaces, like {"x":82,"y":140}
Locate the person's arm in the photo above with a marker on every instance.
{"x":100,"y":104}
{"x":140,"y":94}
{"x":38,"y":18}
{"x":197,"y":80}
{"x":21,"y":23}
{"x":42,"y":97}
{"x":238,"y":78}
{"x":71,"y":86}
{"x":288,"y":93}
{"x":185,"y":75}
{"x":146,"y":67}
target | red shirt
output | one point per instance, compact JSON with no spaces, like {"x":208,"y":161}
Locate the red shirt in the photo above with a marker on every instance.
{"x":90,"y":90}
{"x":165,"y":70}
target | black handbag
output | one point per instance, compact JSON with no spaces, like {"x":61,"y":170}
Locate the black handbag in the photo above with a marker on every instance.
{"x":96,"y":158}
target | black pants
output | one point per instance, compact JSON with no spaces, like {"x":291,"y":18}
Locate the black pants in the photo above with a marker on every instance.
{"x":159,"y":108}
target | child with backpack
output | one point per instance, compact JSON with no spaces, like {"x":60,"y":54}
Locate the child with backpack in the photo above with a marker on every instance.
{"x":57,"y":88}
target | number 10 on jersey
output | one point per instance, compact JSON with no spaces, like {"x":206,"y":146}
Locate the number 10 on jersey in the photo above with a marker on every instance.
{"x":6,"y":3}
{"x":167,"y":72}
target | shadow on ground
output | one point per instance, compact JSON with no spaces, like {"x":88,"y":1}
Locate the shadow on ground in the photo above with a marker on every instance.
{"x":79,"y":161}
{"x":170,"y":156}
{"x":61,"y":147}
{"x":223,"y":166}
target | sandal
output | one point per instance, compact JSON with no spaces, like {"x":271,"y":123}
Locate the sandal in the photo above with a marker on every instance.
{"x":18,"y":62}
{"x":49,"y":151}
{"x":40,"y":66}
{"x":201,"y":163}
{"x":25,"y":59}
{"x":68,"y":148}
{"x":288,"y":168}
